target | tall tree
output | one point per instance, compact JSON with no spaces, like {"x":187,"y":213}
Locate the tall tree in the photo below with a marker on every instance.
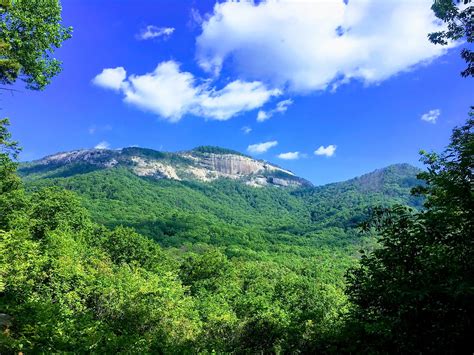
{"x":460,"y":26}
{"x":30,"y":31}
{"x":415,"y":293}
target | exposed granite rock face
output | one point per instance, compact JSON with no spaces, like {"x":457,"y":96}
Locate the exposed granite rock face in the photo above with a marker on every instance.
{"x":156,"y":169}
{"x":101,"y":157}
{"x":189,"y":165}
{"x":232,"y":165}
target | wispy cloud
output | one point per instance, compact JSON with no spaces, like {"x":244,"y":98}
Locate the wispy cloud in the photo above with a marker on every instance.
{"x":102,"y":145}
{"x":94,"y":129}
{"x":326,"y":151}
{"x":289,"y":156}
{"x":280,"y":107}
{"x":246,"y":129}
{"x":261,"y":148}
{"x":431,"y":116}
{"x":172,"y":93}
{"x":195,"y":18}
{"x":151,"y":31}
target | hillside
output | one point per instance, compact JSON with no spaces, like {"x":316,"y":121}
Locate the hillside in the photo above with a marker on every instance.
{"x":161,"y":195}
{"x":205,"y":163}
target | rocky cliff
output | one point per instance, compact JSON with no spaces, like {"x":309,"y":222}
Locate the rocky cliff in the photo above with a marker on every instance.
{"x":202,"y":164}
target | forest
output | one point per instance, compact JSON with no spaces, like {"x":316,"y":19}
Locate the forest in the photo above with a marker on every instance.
{"x":104,"y":261}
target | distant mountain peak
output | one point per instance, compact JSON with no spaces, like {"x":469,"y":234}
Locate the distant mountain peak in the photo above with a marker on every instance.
{"x":204,"y":163}
{"x":402,"y":174}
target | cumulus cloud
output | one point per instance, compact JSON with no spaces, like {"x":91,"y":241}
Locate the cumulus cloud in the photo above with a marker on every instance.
{"x":111,"y":78}
{"x":431,"y":116}
{"x":235,"y":97}
{"x":260,"y":148}
{"x":315,"y":44}
{"x":281,"y":107}
{"x":326,"y":151}
{"x":102,"y":145}
{"x":172,"y":93}
{"x":246,"y":129}
{"x":289,"y":156}
{"x":151,"y":31}
{"x":166,"y":91}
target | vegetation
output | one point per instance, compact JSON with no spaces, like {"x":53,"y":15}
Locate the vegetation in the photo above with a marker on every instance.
{"x":460,"y":26}
{"x":228,"y":213}
{"x":216,"y":150}
{"x":223,"y":267}
{"x":30,"y":31}
{"x":414,"y":294}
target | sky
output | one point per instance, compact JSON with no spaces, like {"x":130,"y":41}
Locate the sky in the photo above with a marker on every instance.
{"x":327,"y":89}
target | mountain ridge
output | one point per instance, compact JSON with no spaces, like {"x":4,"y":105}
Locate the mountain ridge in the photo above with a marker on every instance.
{"x":204,"y":163}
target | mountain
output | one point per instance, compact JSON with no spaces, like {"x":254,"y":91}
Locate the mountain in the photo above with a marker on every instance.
{"x":213,"y":196}
{"x":205,"y":163}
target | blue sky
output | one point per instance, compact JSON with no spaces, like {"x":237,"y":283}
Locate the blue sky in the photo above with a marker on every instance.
{"x":359,"y":94}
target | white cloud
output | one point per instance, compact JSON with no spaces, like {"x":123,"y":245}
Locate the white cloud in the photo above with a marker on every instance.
{"x":102,"y":145}
{"x":166,"y":91}
{"x":94,"y":129}
{"x":172,"y":93}
{"x":246,"y":129}
{"x":280,"y":107}
{"x":289,"y":155}
{"x":262,"y":116}
{"x":260,"y":148}
{"x":235,"y":97}
{"x":111,"y":78}
{"x":151,"y":31}
{"x":195,"y":18}
{"x":313,"y":44}
{"x":327,"y":151}
{"x":431,"y":116}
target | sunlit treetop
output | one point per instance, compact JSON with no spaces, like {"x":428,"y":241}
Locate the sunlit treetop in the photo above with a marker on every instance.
{"x":30,"y":31}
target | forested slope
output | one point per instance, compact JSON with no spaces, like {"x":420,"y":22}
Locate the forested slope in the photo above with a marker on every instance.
{"x":245,"y":220}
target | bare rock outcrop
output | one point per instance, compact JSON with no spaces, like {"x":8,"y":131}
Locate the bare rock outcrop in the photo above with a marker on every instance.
{"x":190,"y":165}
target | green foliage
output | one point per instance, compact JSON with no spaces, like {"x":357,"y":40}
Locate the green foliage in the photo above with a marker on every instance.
{"x":30,"y":31}
{"x":414,"y":294}
{"x":8,"y":149}
{"x":209,"y":149}
{"x":460,"y":26}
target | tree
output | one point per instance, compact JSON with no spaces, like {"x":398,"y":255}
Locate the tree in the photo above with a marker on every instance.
{"x":415,"y":293}
{"x":30,"y":31}
{"x":460,"y":25}
{"x":8,"y":149}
